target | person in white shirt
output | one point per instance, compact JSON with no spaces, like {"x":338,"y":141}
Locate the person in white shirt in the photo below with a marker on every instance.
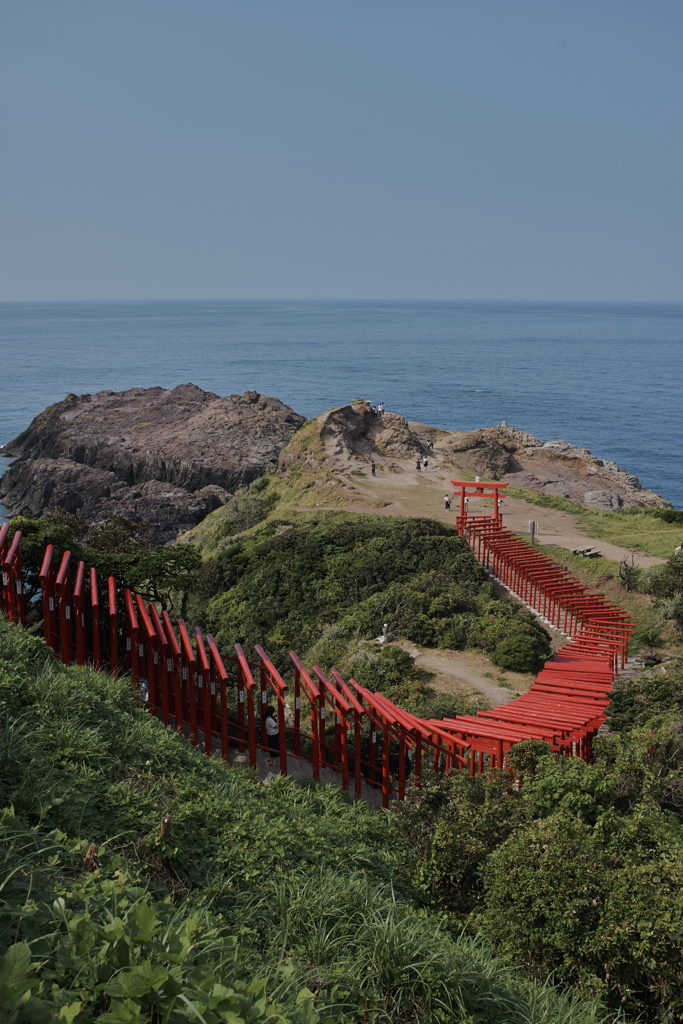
{"x":272,"y":732}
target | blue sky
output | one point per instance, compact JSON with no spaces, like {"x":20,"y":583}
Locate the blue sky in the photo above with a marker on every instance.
{"x":347,"y":149}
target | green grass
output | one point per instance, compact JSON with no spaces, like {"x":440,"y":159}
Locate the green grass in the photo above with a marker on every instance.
{"x":544,"y":500}
{"x":602,"y":576}
{"x":280,"y":903}
{"x":641,"y":532}
{"x":635,"y":530}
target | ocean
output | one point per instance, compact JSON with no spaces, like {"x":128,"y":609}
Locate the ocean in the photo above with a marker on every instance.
{"x":607,"y":376}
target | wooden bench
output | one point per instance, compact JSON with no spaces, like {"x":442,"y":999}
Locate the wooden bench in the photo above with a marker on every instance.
{"x":589,"y":552}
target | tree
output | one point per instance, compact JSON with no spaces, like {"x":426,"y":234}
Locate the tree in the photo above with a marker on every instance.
{"x":119,"y":548}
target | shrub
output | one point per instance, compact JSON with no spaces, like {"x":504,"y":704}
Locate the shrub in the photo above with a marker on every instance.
{"x":327,"y":581}
{"x":601,"y":906}
{"x":635,"y":701}
{"x":451,"y":825}
{"x":522,"y":650}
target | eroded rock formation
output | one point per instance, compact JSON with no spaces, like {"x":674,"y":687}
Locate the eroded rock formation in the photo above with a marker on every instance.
{"x":553,"y":467}
{"x":164,"y":457}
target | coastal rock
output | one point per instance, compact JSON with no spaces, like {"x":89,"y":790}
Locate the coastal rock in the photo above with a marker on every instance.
{"x":164,"y":457}
{"x":557,"y":468}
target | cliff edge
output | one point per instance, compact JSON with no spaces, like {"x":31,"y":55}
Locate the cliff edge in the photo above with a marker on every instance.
{"x":164,"y":457}
{"x":351,"y":434}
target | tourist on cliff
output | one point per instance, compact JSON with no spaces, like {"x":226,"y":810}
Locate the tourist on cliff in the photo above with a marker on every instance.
{"x":447,"y":502}
{"x":417,"y":466}
{"x":372,"y":466}
{"x":425,"y":461}
{"x":272,"y":732}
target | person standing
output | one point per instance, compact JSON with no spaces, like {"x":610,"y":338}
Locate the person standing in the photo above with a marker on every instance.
{"x":447,"y":502}
{"x":425,"y":461}
{"x":417,"y":465}
{"x":272,"y":732}
{"x":372,"y":466}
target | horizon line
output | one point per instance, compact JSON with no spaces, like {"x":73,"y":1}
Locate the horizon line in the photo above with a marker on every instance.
{"x":5,"y":301}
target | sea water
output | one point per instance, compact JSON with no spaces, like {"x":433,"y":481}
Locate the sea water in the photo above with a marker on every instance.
{"x":605,"y":376}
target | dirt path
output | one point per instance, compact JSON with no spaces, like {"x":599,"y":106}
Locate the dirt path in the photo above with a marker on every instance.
{"x":409,"y":493}
{"x":298,"y":768}
{"x":467,"y":673}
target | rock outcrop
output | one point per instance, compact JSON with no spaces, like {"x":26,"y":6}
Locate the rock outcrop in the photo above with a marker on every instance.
{"x":164,"y":457}
{"x":552,"y":467}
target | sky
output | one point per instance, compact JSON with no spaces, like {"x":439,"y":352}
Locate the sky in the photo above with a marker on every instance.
{"x":390,"y":149}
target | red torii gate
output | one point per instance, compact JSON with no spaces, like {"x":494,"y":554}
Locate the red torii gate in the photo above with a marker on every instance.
{"x":187,"y":680}
{"x":481,"y":489}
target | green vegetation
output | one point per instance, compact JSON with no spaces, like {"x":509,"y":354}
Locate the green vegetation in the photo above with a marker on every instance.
{"x":252,"y":904}
{"x":118,"y":548}
{"x":654,"y":531}
{"x":578,"y":872}
{"x":642,"y":531}
{"x":323,"y":583}
{"x":545,"y":500}
{"x":653,"y":597}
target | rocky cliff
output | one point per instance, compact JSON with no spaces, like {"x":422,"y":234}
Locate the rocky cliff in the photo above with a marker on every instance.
{"x":164,"y":457}
{"x":553,"y":467}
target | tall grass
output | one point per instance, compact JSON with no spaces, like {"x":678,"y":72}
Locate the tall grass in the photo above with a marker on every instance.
{"x":292,"y":887}
{"x":365,"y":941}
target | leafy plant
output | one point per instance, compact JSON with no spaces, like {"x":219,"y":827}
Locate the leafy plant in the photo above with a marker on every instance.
{"x":326,"y":582}
{"x":119,"y":548}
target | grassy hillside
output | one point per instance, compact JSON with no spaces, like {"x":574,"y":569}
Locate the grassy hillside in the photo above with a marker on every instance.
{"x":143,"y":881}
{"x":651,"y":531}
{"x":323,"y":583}
{"x":652,"y":600}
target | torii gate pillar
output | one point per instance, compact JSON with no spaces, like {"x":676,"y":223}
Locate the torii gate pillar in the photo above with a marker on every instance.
{"x":481,"y":489}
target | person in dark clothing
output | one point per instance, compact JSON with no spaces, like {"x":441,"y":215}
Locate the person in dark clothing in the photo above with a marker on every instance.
{"x":395,"y":761}
{"x":372,"y":466}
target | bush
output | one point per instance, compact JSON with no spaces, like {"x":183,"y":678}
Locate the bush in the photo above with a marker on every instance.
{"x":326,"y":582}
{"x":383,"y":669}
{"x":451,"y":826}
{"x":523,"y":650}
{"x":635,"y":701}
{"x":278,"y":904}
{"x":601,"y":906}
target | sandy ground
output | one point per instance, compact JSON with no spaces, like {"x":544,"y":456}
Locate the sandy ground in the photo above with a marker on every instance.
{"x":467,"y":673}
{"x":410,"y":493}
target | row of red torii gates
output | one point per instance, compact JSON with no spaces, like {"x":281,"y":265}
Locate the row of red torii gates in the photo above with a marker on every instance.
{"x":218,"y":701}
